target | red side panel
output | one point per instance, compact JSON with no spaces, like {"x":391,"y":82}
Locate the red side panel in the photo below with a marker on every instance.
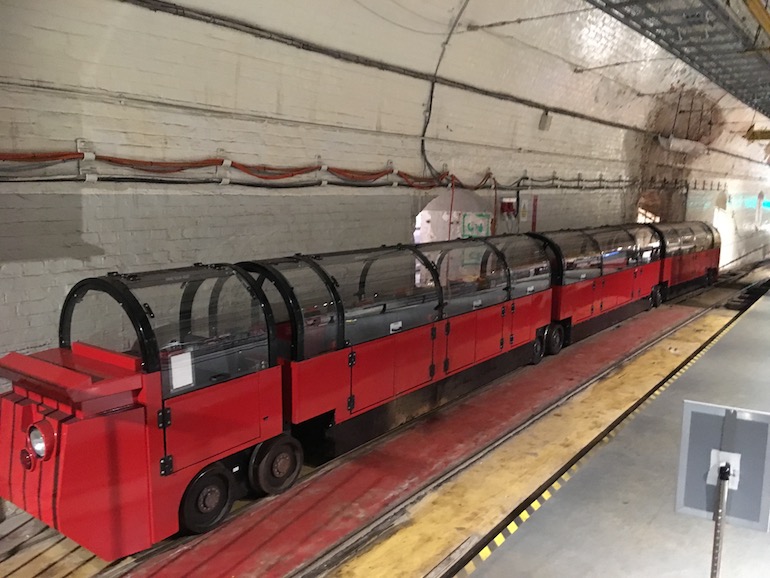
{"x":229,"y":413}
{"x":102,"y":500}
{"x":688,"y":267}
{"x":685,"y":268}
{"x":319,"y":385}
{"x":618,"y":290}
{"x":666,"y":270}
{"x":165,"y":491}
{"x":373,"y":373}
{"x":520,"y":322}
{"x":529,"y":314}
{"x":461,"y":341}
{"x":576,"y":300}
{"x":414,"y":355}
{"x":489,"y":332}
{"x":713,"y":259}
{"x":647,"y":276}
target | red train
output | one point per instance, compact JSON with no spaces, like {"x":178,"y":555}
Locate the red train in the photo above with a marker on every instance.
{"x":174,"y":392}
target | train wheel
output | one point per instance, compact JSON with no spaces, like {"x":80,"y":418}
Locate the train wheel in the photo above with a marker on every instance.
{"x":207,"y":500}
{"x":538,"y":350}
{"x":554,"y":340}
{"x":276,"y":465}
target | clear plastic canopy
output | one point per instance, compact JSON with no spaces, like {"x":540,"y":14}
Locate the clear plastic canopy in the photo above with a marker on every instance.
{"x":688,"y":237}
{"x":211,"y":314}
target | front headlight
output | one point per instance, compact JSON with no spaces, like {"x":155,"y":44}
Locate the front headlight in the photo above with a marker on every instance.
{"x":41,"y":439}
{"x":37,"y":441}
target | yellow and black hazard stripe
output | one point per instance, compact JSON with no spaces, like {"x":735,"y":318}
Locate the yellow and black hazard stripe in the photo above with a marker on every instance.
{"x":532,"y":505}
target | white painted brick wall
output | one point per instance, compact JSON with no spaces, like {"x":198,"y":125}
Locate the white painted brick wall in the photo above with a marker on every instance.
{"x":154,"y":86}
{"x":124,"y":228}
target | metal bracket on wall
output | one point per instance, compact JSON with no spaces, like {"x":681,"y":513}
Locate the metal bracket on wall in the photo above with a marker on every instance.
{"x":87,"y":165}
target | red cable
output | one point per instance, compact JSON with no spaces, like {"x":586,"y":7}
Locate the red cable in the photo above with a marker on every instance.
{"x":422,"y":183}
{"x":263,"y":172}
{"x":159,"y":166}
{"x":288,"y":173}
{"x":52,"y":156}
{"x":355,"y":175}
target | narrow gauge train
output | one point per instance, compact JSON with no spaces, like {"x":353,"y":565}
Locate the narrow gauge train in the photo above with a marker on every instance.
{"x":174,"y":392}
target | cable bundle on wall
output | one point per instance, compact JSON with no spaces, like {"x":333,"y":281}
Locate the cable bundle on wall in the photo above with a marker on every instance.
{"x":34,"y":167}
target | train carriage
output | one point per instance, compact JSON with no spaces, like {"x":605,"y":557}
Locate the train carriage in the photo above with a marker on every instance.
{"x":690,"y":254}
{"x":600,"y":276}
{"x":174,"y":392}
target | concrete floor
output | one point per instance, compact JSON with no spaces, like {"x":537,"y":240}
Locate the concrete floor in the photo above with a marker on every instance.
{"x":616,"y":515}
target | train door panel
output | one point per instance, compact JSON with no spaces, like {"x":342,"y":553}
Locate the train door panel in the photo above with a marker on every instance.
{"x":609,"y":293}
{"x":319,"y":385}
{"x":643,"y":281}
{"x":624,"y":286}
{"x":216,"y":418}
{"x":461,"y":341}
{"x":519,"y":328}
{"x":489,"y":331}
{"x":582,"y":296}
{"x":414,"y":356}
{"x":589,"y":298}
{"x":372,"y":375}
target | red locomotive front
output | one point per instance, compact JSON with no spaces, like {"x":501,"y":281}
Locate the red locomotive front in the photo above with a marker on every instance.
{"x":152,"y":413}
{"x":72,"y":432}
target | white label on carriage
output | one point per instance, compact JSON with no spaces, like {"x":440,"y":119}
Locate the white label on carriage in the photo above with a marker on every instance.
{"x":582,"y":276}
{"x":530,"y":289}
{"x":476,"y":303}
{"x":395,"y":327}
{"x":181,"y":370}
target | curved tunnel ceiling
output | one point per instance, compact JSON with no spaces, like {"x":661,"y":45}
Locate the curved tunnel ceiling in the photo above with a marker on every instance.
{"x":494,"y":44}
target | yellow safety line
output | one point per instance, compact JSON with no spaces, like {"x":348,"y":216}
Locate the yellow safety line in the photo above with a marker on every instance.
{"x":535,"y":505}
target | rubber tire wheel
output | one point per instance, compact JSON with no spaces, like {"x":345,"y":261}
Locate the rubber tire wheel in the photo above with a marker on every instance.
{"x":207,"y":500}
{"x":555,"y":339}
{"x":656,"y":297}
{"x":278,"y":466}
{"x":538,"y":350}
